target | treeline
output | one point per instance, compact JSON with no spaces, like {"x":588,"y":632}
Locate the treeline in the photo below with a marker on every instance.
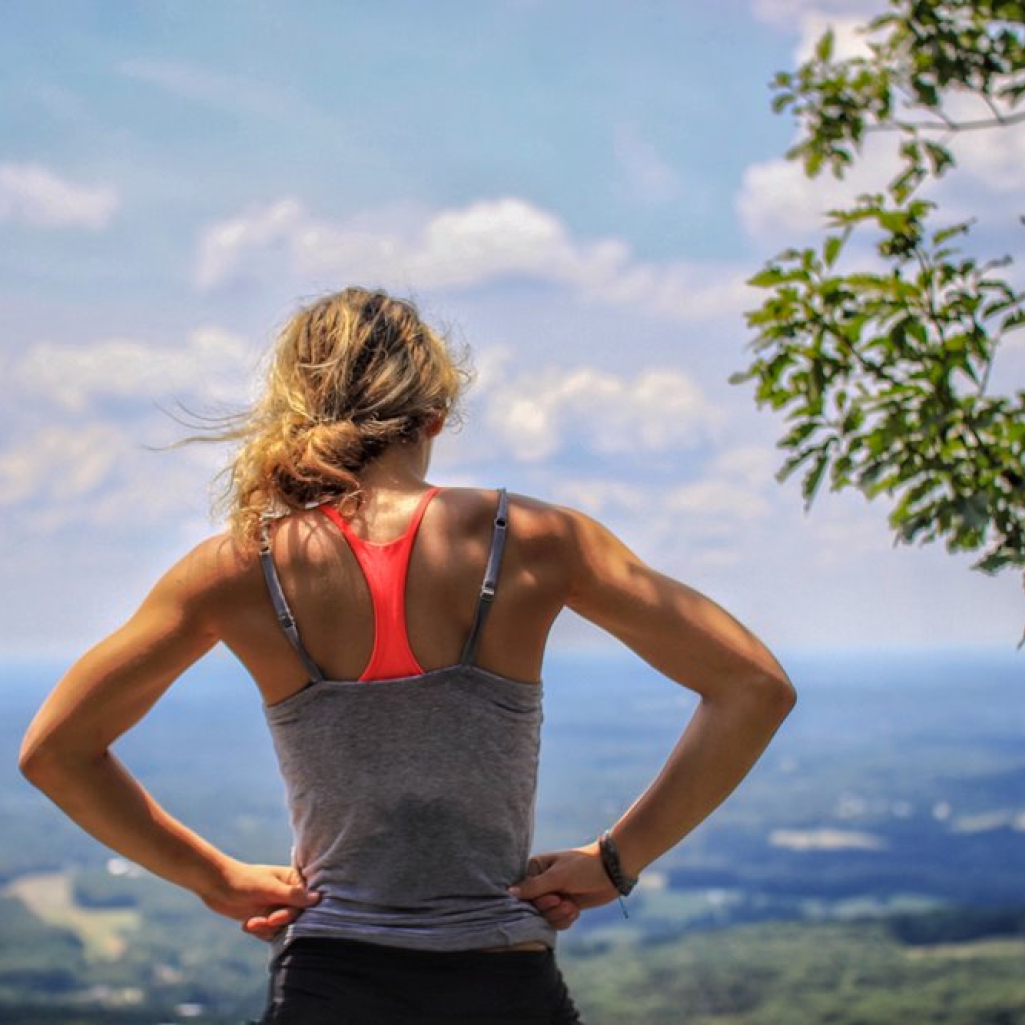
{"x":920,"y":857}
{"x":956,"y":925}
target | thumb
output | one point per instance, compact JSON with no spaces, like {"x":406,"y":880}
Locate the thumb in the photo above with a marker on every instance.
{"x":295,"y":892}
{"x":292,"y":892}
{"x":300,"y":897}
{"x":540,"y":878}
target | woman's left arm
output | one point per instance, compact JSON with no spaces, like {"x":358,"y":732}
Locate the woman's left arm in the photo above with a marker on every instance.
{"x":66,"y":751}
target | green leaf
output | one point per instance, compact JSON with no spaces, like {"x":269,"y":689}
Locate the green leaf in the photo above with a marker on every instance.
{"x":810,"y":484}
{"x":769,"y":277}
{"x":824,"y":48}
{"x":799,"y":434}
{"x":831,"y":249}
{"x":953,"y":231}
{"x":940,"y":157}
{"x":1012,"y":322}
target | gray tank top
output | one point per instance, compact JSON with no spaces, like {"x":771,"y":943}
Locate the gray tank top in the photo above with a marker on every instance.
{"x":412,"y":799}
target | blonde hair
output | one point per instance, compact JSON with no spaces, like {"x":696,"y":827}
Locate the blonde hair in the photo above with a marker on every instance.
{"x":349,"y":375}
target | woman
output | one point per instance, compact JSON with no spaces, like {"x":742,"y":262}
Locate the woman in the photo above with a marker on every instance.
{"x":396,"y":632}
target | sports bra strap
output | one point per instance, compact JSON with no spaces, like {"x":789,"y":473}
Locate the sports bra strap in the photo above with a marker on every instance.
{"x":487,"y":591}
{"x":281,"y":608}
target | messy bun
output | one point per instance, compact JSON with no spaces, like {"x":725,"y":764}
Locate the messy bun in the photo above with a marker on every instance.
{"x":349,"y":375}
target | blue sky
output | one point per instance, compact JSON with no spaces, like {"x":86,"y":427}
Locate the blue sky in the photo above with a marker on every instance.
{"x":579,"y":190}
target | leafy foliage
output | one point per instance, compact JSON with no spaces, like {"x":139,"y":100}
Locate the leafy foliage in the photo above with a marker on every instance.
{"x":884,"y":373}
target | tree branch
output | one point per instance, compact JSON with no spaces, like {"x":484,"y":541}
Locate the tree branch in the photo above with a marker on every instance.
{"x":947,"y":124}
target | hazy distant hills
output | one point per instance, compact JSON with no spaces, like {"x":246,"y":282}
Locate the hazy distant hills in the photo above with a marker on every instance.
{"x":893,"y":799}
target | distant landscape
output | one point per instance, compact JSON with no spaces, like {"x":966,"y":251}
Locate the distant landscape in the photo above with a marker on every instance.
{"x":869,"y":870}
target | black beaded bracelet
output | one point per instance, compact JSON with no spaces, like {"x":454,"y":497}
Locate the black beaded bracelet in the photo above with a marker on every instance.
{"x":613,"y":869}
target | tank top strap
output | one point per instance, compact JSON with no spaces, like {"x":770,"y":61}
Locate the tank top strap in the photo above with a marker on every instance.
{"x":490,"y":583}
{"x":280,"y":603}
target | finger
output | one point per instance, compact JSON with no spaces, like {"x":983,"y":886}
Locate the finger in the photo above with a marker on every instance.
{"x":281,"y":917}
{"x":257,"y":928}
{"x":273,"y":922}
{"x":560,"y":913}
{"x":547,"y":901}
{"x":292,"y":876}
{"x":295,"y":896}
{"x":562,"y":924}
{"x":558,"y":905}
{"x":536,"y":883}
{"x":540,"y":863}
{"x":535,"y":866}
{"x":533,"y":887}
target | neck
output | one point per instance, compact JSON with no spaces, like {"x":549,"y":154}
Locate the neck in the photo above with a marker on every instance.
{"x":400,"y":467}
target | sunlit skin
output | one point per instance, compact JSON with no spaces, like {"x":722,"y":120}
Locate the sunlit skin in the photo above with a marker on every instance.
{"x":555,"y":558}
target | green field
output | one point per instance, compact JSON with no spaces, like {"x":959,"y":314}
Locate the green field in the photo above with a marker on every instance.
{"x":49,"y":896}
{"x":851,"y":973}
{"x":167,"y":959}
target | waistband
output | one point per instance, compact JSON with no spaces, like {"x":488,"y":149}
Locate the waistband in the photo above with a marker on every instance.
{"x":357,"y":952}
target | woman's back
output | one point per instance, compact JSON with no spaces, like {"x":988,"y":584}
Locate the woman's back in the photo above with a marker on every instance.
{"x":328,"y":593}
{"x":411,"y":786}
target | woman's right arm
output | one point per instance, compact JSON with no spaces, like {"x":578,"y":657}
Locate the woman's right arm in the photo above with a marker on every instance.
{"x":744,"y":697}
{"x":67,"y":749}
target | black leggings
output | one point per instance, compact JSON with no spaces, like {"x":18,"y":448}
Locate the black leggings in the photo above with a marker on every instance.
{"x":341,"y":982}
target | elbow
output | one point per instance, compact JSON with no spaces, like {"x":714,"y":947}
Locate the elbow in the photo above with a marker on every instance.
{"x":46,"y":764}
{"x":765,"y":694}
{"x":33,"y":761}
{"x":771,"y":693}
{"x":37,"y":761}
{"x":779,"y":693}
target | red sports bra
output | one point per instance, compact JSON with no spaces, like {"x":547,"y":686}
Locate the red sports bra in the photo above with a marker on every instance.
{"x":385,"y":566}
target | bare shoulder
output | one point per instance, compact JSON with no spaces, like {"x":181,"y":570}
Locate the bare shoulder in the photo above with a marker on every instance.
{"x":531,"y":521}
{"x":585,"y":546}
{"x":214,"y":574}
{"x":217,"y":560}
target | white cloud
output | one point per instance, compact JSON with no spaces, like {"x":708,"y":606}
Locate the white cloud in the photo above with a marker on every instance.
{"x":98,"y":473}
{"x":34,"y":195}
{"x":484,"y":241}
{"x":82,"y":420}
{"x":731,"y":492}
{"x":849,"y":37}
{"x":754,"y":465}
{"x":994,"y":157}
{"x":535,"y":415}
{"x":212,"y":364}
{"x":717,"y":498}
{"x":812,"y":18}
{"x":785,"y":12}
{"x":777,"y":200}
{"x":228,"y":93}
{"x":479,"y":242}
{"x":713,"y":521}
{"x":65,"y":462}
{"x":226,"y":243}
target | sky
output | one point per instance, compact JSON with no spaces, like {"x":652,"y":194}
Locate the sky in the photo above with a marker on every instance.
{"x":577,"y":191}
